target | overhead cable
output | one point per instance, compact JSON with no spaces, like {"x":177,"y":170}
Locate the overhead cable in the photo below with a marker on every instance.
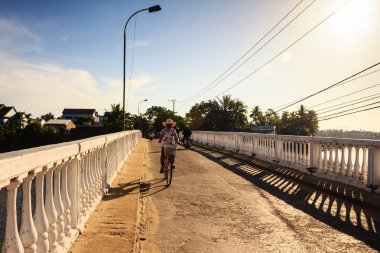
{"x":329,"y":87}
{"x":370,"y":73}
{"x":280,"y":53}
{"x":367,"y":109}
{"x":213,"y":84}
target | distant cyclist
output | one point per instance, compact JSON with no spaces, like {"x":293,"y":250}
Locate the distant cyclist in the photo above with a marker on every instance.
{"x":186,"y":134}
{"x":168,"y":136}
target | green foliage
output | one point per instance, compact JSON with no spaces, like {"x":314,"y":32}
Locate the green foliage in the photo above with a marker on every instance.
{"x":158,"y":114}
{"x":114,"y":121}
{"x":223,"y":114}
{"x":12,"y":137}
{"x":301,"y":122}
{"x":80,"y":121}
{"x":47,"y":116}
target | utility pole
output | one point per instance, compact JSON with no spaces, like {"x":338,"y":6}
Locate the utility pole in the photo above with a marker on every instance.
{"x":173,"y":101}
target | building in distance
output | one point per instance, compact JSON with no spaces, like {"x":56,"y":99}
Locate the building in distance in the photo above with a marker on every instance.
{"x":82,"y":115}
{"x":61,"y":125}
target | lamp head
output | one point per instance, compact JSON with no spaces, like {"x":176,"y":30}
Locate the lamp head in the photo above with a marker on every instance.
{"x":145,"y":99}
{"x":154,"y":8}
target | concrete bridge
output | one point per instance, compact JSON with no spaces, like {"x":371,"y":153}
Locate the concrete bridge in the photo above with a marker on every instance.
{"x":233,"y":192}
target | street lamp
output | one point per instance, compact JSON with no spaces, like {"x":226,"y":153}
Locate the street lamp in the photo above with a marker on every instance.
{"x":138,"y":112}
{"x":150,"y":9}
{"x":138,"y":107}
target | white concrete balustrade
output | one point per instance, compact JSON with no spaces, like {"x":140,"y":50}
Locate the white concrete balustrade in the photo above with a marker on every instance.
{"x":350,"y":161}
{"x":69,"y":179}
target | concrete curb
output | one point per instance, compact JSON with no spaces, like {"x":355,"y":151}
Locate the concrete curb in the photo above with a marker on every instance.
{"x":340,"y":190}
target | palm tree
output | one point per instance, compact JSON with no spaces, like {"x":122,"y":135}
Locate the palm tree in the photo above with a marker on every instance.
{"x":225,"y":103}
{"x":239,"y":110}
{"x":257,"y":116}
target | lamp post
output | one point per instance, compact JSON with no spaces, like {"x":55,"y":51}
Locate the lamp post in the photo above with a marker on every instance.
{"x":150,"y":9}
{"x":138,"y":112}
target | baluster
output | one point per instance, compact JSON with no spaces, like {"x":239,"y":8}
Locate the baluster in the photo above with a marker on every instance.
{"x":66,"y":200}
{"x":330,"y":164}
{"x":286,"y":151}
{"x":297,"y":157}
{"x":365,"y":166}
{"x":320,"y":161}
{"x":357,"y":164}
{"x":51,"y":212}
{"x":336,"y":162}
{"x":82,"y":195}
{"x":59,"y":205}
{"x":325,"y":167}
{"x":28,"y":233}
{"x":304,"y":157}
{"x":343,"y":165}
{"x":293,"y":150}
{"x":98,"y":173}
{"x":349,"y":162}
{"x":98,"y":186}
{"x":91,"y":176}
{"x":12,"y":242}
{"x":86,"y":197}
{"x":40,"y":220}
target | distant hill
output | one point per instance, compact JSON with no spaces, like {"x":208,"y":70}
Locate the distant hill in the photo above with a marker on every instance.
{"x":349,"y":134}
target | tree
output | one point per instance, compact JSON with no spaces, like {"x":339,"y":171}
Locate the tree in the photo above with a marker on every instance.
{"x":301,"y":122}
{"x":257,"y":116}
{"x":114,"y":122}
{"x":271,"y":118}
{"x":47,"y":116}
{"x":223,"y":114}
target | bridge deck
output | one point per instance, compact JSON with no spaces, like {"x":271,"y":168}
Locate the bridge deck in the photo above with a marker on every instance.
{"x":219,"y":204}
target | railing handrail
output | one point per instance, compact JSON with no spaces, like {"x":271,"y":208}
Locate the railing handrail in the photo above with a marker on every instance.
{"x":352,"y":161}
{"x":352,"y":141}
{"x":16,"y":163}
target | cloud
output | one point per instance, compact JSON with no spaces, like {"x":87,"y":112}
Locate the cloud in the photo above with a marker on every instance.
{"x":114,"y":88}
{"x":17,"y":38}
{"x":40,"y":88}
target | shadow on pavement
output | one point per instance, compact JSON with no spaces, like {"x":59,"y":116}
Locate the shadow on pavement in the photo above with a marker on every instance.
{"x":122,"y":190}
{"x":353,"y":219}
{"x":154,"y":186}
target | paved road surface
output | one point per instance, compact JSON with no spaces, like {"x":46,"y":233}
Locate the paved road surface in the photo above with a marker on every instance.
{"x":223,"y":205}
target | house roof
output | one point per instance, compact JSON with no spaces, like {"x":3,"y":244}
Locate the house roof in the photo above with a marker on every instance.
{"x":5,"y":109}
{"x":58,"y":122}
{"x":78,"y":111}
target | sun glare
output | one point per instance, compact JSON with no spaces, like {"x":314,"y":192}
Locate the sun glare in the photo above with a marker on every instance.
{"x":352,"y":21}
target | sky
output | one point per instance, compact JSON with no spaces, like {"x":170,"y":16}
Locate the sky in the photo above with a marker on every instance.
{"x":69,"y":54}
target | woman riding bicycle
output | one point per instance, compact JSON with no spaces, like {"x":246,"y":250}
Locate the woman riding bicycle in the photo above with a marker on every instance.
{"x":168,"y":136}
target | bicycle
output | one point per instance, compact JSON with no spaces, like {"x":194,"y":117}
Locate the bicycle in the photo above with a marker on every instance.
{"x":169,"y":158}
{"x":186,"y":142}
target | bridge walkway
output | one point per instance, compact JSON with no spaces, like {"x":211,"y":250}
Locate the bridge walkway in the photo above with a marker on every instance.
{"x":219,"y":204}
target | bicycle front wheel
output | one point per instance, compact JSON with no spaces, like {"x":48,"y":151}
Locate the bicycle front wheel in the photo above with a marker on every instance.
{"x":169,"y":175}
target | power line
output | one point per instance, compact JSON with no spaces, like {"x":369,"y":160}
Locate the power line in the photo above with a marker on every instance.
{"x":367,"y":109}
{"x":258,"y":50}
{"x":349,"y":94}
{"x":329,"y":87}
{"x":331,"y":110}
{"x":337,"y":113}
{"x":338,"y":85}
{"x":295,"y":42}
